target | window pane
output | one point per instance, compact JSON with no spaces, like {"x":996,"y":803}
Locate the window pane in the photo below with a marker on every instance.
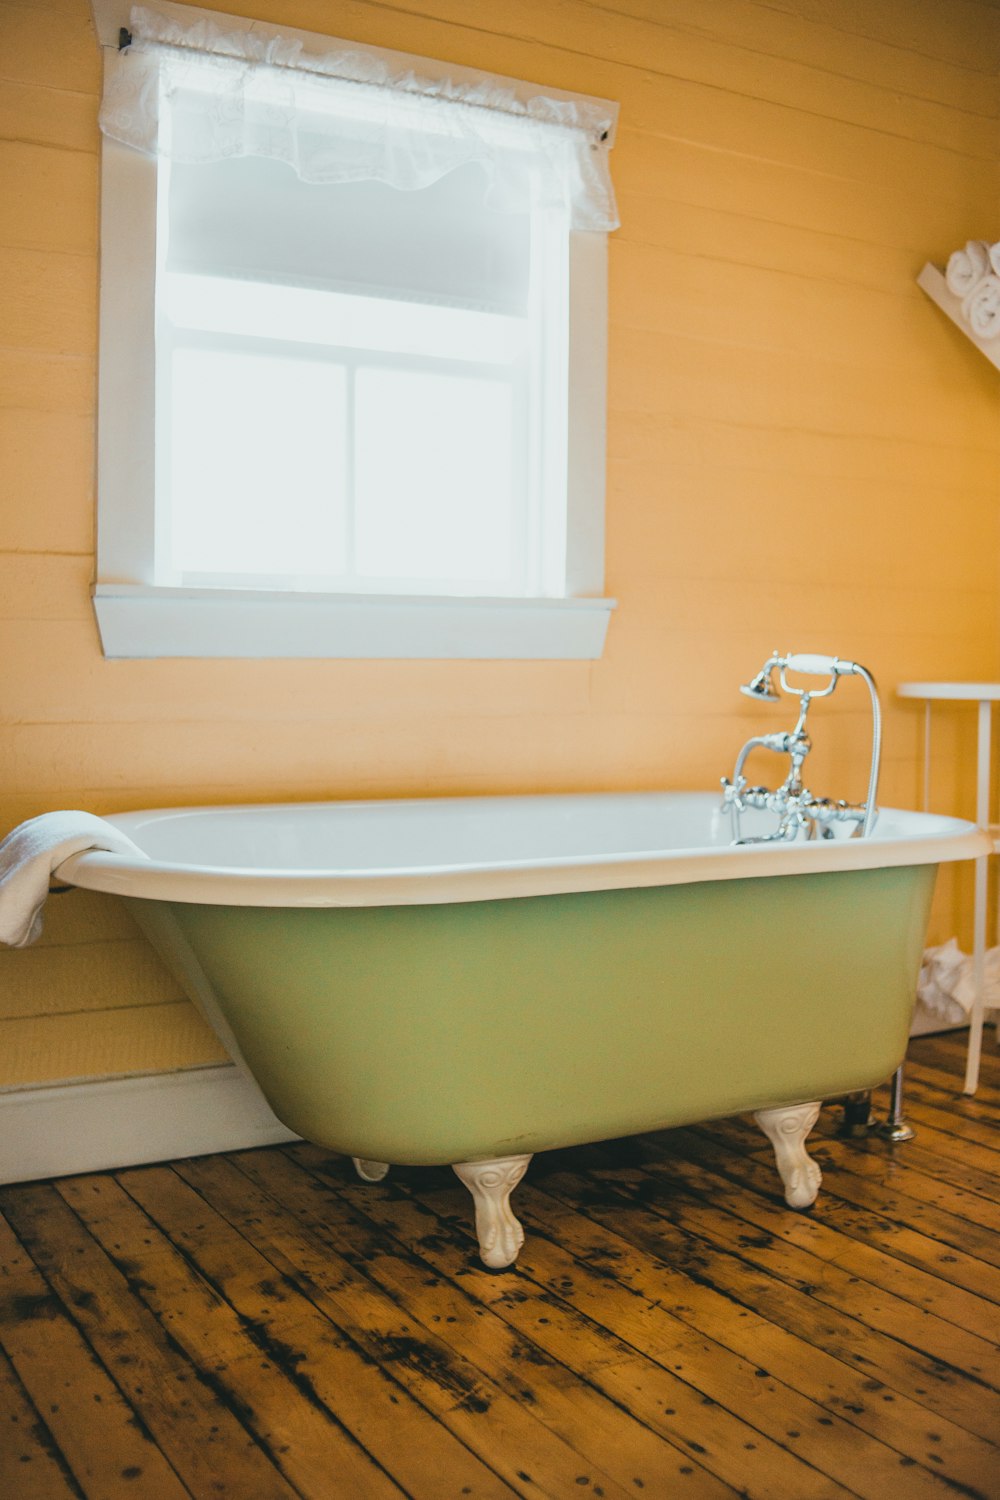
{"x":434,"y":478}
{"x":257,"y":457}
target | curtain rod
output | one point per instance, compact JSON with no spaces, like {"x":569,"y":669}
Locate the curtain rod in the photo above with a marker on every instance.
{"x":125,"y":40}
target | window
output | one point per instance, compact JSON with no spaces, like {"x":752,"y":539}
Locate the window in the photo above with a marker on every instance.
{"x":352,"y":353}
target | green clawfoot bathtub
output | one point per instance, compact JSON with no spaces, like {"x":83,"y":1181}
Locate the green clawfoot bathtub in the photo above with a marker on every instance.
{"x":471,"y":980}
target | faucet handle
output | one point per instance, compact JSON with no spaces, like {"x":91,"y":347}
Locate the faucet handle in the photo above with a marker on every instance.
{"x":814,"y":665}
{"x":731,"y":792}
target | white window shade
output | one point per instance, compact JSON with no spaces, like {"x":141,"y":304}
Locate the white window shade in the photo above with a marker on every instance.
{"x":344,"y":116}
{"x":253,"y":219}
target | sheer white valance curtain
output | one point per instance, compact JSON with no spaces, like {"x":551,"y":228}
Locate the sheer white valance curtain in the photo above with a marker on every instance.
{"x":201,"y":93}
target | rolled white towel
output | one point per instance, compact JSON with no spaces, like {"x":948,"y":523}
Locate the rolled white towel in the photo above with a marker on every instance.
{"x":981,"y":308}
{"x":966,"y":268}
{"x":30,"y":854}
{"x":995,"y":257}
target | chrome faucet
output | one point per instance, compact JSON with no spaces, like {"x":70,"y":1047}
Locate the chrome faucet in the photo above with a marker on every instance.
{"x":797,"y":810}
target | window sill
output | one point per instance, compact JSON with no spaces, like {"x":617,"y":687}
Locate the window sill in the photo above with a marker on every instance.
{"x":141,"y":621}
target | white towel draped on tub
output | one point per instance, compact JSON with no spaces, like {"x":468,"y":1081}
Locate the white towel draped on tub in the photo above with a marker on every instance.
{"x":30,"y":854}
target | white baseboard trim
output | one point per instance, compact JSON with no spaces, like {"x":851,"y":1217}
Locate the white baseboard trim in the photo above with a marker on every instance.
{"x":127,"y":1122}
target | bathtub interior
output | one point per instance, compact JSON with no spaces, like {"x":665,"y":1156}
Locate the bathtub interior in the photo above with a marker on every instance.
{"x":452,"y":832}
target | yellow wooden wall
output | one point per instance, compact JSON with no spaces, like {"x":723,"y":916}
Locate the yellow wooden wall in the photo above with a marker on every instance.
{"x":803,"y":453}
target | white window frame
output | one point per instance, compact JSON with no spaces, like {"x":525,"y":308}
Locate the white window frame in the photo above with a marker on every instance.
{"x":138,"y":618}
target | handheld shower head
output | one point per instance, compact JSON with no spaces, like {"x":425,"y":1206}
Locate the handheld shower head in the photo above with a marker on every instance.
{"x":762,"y":686}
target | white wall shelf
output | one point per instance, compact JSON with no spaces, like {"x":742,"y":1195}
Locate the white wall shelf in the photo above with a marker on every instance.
{"x":933,"y":283}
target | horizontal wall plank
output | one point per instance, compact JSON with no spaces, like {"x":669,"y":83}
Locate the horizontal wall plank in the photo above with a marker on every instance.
{"x":715,"y":437}
{"x":62,"y":54}
{"x":647,"y":742}
{"x":696,"y":55}
{"x":95,"y":759}
{"x":135,"y":1039}
{"x":715,"y":298}
{"x":91,"y":736}
{"x":61,"y":756}
{"x":705,"y":682}
{"x":685,"y":510}
{"x":959,"y":32}
{"x":32,"y":178}
{"x":817,"y":42}
{"x":746,"y":237}
{"x":46,"y":586}
{"x":689,"y":171}
{"x":816,"y":37}
{"x":38,"y":381}
{"x":305,"y":691}
{"x":666,"y":598}
{"x":48,"y":117}
{"x":672,"y":375}
{"x":48,"y":301}
{"x":754,"y":130}
{"x":64,"y":979}
{"x":49,"y":481}
{"x":51,"y":10}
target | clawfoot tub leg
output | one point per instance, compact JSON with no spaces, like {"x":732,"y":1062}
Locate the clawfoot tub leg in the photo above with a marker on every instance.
{"x":370,"y":1171}
{"x":491,"y":1184}
{"x":787,"y":1129}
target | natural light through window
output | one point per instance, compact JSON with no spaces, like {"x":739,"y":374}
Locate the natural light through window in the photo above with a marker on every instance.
{"x":437,"y":483}
{"x":257,"y":470}
{"x":376,"y":432}
{"x":322,"y":439}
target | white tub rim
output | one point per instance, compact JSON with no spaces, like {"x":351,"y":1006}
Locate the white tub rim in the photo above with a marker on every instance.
{"x":925,"y":838}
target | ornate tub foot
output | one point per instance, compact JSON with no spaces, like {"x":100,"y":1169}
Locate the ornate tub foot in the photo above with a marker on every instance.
{"x":787,"y":1129}
{"x":491,"y":1184}
{"x":370,"y":1171}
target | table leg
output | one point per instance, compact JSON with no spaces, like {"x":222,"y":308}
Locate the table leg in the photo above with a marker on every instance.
{"x":979,"y":922}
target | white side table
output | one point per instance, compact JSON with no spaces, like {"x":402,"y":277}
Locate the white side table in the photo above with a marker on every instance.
{"x":985,"y":694}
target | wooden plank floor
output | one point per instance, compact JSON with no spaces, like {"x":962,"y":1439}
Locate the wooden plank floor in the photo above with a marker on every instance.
{"x":263,"y":1325}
